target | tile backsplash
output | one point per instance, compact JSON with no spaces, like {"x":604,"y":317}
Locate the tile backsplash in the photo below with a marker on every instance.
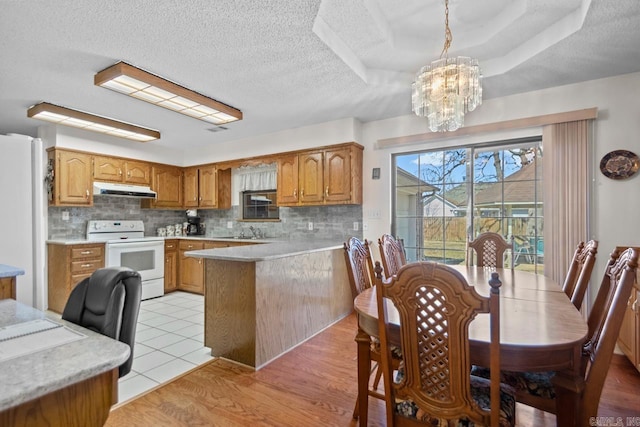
{"x":329,"y":222}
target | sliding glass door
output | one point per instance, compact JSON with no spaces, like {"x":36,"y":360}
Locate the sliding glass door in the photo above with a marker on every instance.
{"x":442,"y":198}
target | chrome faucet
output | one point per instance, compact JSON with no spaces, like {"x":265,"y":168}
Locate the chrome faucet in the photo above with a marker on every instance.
{"x":255,"y":232}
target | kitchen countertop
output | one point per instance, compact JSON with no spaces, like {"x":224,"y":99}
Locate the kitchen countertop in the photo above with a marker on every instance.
{"x":34,"y":375}
{"x":272,"y":249}
{"x":83,"y":241}
{"x":10,"y":271}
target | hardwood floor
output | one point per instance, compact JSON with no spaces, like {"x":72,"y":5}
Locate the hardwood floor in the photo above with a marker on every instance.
{"x":312,"y":385}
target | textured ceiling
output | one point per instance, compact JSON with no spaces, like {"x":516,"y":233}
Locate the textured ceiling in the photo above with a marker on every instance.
{"x":292,"y":63}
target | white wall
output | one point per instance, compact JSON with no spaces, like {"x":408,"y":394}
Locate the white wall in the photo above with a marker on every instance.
{"x":614,"y":219}
{"x":82,"y":140}
{"x":335,"y":132}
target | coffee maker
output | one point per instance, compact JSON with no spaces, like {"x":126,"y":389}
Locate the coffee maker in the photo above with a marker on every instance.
{"x":194,"y":226}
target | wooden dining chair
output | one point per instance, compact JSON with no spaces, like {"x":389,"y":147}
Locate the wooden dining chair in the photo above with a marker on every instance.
{"x":490,"y":249}
{"x":577,"y":278}
{"x":359,"y":264}
{"x":359,"y":269}
{"x":536,"y":389}
{"x":435,"y":305}
{"x":391,"y":253}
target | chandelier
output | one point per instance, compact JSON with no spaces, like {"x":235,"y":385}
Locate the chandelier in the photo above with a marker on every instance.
{"x":447,"y":88}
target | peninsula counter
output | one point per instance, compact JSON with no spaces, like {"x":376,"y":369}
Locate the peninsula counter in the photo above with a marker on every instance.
{"x":262,"y":300}
{"x":59,"y":383}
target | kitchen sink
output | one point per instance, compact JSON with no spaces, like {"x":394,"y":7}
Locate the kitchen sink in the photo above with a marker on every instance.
{"x":237,"y":237}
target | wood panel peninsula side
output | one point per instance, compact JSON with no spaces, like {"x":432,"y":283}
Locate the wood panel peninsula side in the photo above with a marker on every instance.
{"x":262,"y":300}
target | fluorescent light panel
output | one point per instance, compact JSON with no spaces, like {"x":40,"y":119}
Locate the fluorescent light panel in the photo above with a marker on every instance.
{"x":79,"y":119}
{"x":132,"y":81}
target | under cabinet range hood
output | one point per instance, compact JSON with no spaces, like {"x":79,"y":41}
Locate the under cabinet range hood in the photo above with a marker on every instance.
{"x":123,"y":190}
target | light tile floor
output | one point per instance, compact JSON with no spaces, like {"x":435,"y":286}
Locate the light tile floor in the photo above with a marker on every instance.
{"x":169,"y":342}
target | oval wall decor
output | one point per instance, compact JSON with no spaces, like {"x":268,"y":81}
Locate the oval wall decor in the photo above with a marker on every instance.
{"x":619,"y":164}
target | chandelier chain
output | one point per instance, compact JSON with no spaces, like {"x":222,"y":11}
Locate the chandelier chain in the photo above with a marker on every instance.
{"x":448,"y":37}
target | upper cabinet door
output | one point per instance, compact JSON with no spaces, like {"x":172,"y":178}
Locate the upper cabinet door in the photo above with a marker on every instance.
{"x":311,"y":178}
{"x":167,"y":182}
{"x":107,"y":169}
{"x":337,"y":175}
{"x":73,"y":183}
{"x":208,"y":187}
{"x":191,"y":188}
{"x":288,"y":180}
{"x":113,"y":169}
{"x":137,"y":172}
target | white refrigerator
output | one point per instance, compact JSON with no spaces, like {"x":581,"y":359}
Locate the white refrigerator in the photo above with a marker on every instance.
{"x":23,"y":215}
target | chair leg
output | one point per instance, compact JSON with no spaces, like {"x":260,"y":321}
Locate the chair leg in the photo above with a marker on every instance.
{"x":356,"y":409}
{"x":376,"y":381}
{"x":364,"y":368}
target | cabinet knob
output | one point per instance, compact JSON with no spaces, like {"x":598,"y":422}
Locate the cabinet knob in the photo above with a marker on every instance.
{"x":295,"y":193}
{"x":326,"y":191}
{"x":86,"y":194}
{"x":85,"y":265}
{"x":85,"y":252}
{"x":120,"y":172}
{"x":302,"y":193}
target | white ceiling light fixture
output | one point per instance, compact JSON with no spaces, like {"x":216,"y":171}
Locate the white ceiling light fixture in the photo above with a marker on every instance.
{"x":448,"y":88}
{"x":87,"y":121}
{"x":133,"y":81}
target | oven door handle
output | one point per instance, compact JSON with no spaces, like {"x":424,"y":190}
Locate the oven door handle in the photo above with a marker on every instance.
{"x":134,"y":245}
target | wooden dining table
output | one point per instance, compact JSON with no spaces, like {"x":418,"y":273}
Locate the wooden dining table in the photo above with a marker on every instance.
{"x":540,"y":330}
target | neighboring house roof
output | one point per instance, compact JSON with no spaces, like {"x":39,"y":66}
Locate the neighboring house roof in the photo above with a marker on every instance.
{"x":516,"y":188}
{"x":408,"y":183}
{"x":439,"y":197}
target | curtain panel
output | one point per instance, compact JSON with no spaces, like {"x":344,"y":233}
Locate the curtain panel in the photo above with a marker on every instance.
{"x":566,"y":193}
{"x":255,"y":178}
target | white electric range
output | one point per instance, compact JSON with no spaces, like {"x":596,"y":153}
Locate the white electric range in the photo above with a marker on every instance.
{"x":127,"y":246}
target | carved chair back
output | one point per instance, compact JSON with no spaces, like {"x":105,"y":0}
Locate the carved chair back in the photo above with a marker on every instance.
{"x":605,"y":322}
{"x":435,"y":306}
{"x":490,"y":249}
{"x":359,"y":264}
{"x":577,"y":279}
{"x":392,"y":254}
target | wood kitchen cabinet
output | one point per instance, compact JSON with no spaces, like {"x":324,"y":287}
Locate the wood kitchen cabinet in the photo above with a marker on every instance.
{"x":170,"y":265}
{"x":68,"y":265}
{"x":332,"y":175}
{"x":119,"y":170}
{"x":72,"y":183}
{"x":167,"y":183}
{"x":629,"y":337}
{"x":191,"y":270}
{"x":207,"y":187}
{"x":8,"y":287}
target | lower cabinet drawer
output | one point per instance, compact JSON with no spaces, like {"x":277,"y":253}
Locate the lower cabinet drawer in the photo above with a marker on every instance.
{"x":87,"y":252}
{"x":188,"y":245}
{"x":85,"y":266}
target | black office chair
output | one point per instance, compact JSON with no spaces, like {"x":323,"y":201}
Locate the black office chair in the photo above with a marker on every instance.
{"x":108,"y":302}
